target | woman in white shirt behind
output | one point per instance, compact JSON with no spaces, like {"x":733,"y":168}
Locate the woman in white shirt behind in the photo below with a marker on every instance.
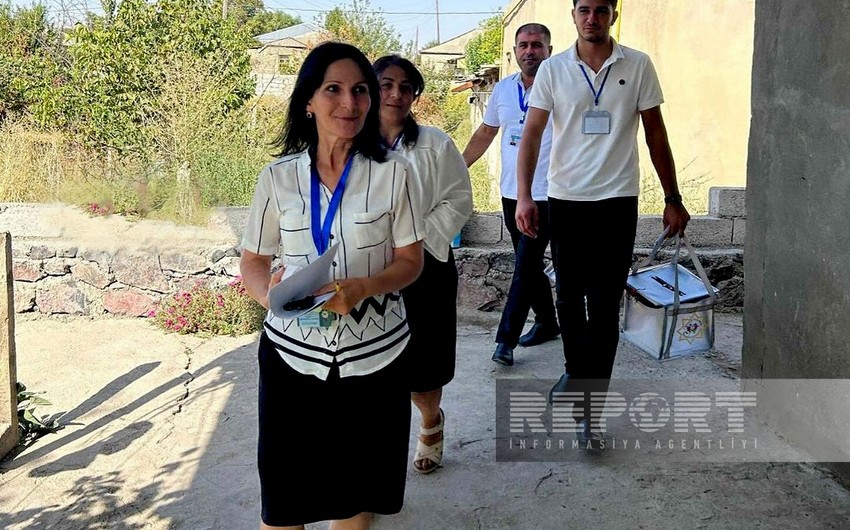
{"x":441,"y":186}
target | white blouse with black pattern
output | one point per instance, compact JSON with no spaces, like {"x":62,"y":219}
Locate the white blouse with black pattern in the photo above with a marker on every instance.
{"x":375,"y":215}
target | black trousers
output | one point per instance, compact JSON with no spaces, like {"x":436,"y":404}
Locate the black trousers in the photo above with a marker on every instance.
{"x":530,"y":288}
{"x":591,"y":265}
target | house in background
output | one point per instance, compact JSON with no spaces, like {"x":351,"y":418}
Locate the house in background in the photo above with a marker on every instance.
{"x":278,"y":54}
{"x":451,"y":54}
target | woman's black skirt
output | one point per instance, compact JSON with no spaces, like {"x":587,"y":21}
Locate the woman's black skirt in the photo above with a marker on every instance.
{"x":330,"y":449}
{"x":431,"y":306}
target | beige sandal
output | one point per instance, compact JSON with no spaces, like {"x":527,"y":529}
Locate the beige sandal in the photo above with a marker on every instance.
{"x":428,"y":457}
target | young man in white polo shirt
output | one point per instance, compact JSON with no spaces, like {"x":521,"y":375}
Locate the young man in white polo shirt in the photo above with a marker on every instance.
{"x":506,"y":109}
{"x":596,"y":91}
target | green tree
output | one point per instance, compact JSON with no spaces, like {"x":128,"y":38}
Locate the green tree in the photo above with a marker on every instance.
{"x":267,"y":21}
{"x":485,"y":48}
{"x":253,"y":18}
{"x":31,"y":63}
{"x":360,"y":25}
{"x":241,"y":11}
{"x":117,"y":68}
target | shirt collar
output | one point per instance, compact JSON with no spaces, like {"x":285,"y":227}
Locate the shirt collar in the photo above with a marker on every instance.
{"x":616,"y":53}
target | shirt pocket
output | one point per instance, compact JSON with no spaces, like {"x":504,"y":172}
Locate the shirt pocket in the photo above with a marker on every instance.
{"x":296,"y":239}
{"x":372,"y":229}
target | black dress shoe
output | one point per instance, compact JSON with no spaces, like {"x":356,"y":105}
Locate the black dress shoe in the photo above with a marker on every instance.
{"x":588,"y":438}
{"x":560,"y":386}
{"x":504,"y":354}
{"x":538,"y":334}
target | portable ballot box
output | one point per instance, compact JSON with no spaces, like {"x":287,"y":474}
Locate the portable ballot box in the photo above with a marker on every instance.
{"x":656,"y":323}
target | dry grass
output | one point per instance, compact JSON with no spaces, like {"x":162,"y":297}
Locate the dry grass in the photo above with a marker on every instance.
{"x":32,"y":165}
{"x":694,"y":190}
{"x":198,"y":165}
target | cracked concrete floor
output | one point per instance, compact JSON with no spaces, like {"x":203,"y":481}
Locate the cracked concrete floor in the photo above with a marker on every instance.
{"x":159,"y":433}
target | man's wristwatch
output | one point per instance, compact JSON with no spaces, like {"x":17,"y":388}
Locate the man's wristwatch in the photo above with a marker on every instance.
{"x":673,"y":199}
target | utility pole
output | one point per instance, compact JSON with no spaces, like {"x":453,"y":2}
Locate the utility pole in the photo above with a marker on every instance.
{"x":416,"y":46}
{"x":438,"y":21}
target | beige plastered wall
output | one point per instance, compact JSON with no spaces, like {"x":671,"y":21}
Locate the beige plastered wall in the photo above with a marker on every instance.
{"x":703,"y":53}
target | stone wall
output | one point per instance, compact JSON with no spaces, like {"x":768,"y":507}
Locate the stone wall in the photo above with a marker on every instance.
{"x":58,"y":279}
{"x":55,"y":276}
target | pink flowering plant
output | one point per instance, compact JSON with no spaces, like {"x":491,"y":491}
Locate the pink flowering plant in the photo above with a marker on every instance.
{"x":201,"y":309}
{"x":98,"y":209}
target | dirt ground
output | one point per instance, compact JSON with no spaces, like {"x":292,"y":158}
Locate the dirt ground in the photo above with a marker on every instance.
{"x":159,"y":432}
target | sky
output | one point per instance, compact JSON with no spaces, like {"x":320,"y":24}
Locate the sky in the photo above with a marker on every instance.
{"x":405,"y":16}
{"x":412,"y":14}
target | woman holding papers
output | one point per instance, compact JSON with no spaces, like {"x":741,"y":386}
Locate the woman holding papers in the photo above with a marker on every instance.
{"x":441,"y":185}
{"x":333,"y":404}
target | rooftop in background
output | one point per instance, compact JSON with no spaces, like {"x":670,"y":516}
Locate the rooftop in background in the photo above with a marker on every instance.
{"x":451,"y":54}
{"x":292,"y":32}
{"x":454,"y":46}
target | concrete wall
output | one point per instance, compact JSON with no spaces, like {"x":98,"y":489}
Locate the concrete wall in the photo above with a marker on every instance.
{"x":798,"y":279}
{"x":703,"y":53}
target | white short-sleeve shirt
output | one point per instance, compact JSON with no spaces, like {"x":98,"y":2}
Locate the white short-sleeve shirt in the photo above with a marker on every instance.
{"x":504,"y":111}
{"x":375,"y":215}
{"x":441,"y":183}
{"x":590,"y":167}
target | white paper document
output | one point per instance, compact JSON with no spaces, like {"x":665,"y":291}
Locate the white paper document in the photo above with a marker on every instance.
{"x":301,"y":284}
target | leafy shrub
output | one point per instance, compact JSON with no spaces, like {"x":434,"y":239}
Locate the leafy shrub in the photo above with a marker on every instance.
{"x":230,"y":311}
{"x":31,"y":426}
{"x":485,"y":48}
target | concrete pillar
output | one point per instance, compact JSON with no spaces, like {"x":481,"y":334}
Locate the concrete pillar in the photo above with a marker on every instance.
{"x":797,"y":249}
{"x":8,"y":373}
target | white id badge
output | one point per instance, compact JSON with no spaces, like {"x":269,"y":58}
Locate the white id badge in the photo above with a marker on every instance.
{"x":515,"y":135}
{"x":317,"y":318}
{"x":596,"y":122}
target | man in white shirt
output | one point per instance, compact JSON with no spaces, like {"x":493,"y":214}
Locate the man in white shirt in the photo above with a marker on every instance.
{"x":507,"y":109}
{"x":595,"y":93}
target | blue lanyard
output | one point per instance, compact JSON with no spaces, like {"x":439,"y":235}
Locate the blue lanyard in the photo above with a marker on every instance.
{"x":322,"y":230}
{"x":523,"y":106}
{"x":596,"y":95}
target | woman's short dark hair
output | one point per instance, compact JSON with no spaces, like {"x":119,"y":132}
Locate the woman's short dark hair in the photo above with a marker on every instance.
{"x":300,"y":133}
{"x":410,"y":129}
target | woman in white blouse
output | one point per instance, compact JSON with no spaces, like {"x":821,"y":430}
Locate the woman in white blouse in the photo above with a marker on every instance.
{"x":442,"y":188}
{"x":333,"y":405}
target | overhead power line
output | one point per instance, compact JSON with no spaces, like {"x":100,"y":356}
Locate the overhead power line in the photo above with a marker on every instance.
{"x":381,"y":12}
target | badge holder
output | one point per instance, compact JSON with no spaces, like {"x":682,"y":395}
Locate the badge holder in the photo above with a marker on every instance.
{"x":596,"y":122}
{"x":317,"y":318}
{"x":515,"y":135}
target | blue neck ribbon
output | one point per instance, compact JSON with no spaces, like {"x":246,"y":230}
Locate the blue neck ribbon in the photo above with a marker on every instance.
{"x":322,"y":230}
{"x":596,"y":95}
{"x":523,"y":105}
